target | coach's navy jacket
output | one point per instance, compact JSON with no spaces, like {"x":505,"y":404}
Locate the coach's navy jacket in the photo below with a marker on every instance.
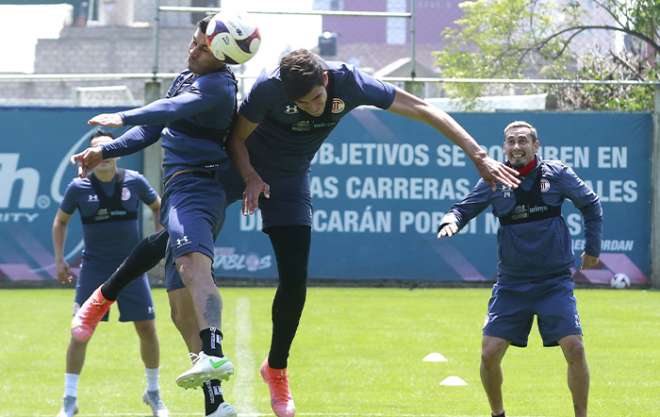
{"x":533,"y":240}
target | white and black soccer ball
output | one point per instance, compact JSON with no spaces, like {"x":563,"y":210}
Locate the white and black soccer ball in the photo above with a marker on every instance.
{"x":620,"y":281}
{"x":232,"y":37}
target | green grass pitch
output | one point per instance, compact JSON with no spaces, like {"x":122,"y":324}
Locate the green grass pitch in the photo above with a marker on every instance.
{"x":358,"y":353}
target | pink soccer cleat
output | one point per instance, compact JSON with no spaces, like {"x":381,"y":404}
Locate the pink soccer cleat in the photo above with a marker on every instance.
{"x":280,"y":395}
{"x":89,"y":315}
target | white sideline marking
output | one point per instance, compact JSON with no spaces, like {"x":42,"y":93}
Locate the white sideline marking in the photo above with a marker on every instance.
{"x":243,"y":387}
{"x":434,"y":357}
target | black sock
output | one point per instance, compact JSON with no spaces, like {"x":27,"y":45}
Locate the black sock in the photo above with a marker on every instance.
{"x":211,"y":341}
{"x":291,"y":247}
{"x":499,"y":415}
{"x":212,"y":396}
{"x":145,"y":255}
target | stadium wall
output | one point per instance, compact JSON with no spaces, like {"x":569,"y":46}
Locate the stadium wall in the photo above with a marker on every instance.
{"x":380,"y":185}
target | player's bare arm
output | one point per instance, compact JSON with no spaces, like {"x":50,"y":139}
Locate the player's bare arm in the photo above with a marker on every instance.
{"x":254,"y":185}
{"x":490,"y":170}
{"x":60,"y":226}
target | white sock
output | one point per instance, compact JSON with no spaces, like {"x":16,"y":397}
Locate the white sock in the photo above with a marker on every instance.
{"x":71,"y":385}
{"x":152,"y":379}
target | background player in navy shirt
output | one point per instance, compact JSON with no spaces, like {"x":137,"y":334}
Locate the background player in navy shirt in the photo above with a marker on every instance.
{"x":535,"y":257}
{"x":281,"y":124}
{"x":108,"y":202}
{"x":193,"y":121}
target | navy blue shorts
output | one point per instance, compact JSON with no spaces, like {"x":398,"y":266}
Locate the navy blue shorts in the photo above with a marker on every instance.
{"x":290,"y":202}
{"x":134,"y":301}
{"x":193,"y":212}
{"x":512,"y":307}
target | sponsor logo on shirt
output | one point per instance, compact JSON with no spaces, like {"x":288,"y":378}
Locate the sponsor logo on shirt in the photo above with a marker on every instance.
{"x":125,"y":194}
{"x":545,"y":185}
{"x":182,"y":241}
{"x":291,"y":109}
{"x":93,"y":197}
{"x":302,"y":126}
{"x":338,"y":105}
{"x":506,"y":191}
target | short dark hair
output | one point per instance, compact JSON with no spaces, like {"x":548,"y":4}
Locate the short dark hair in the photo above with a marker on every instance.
{"x":100,"y":133}
{"x":300,"y":72}
{"x":202,"y":24}
{"x":520,"y":123}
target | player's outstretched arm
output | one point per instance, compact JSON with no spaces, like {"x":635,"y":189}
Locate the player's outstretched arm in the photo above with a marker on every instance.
{"x":254,"y":185}
{"x":490,"y":170}
{"x":133,"y":140}
{"x":106,"y":120}
{"x":476,"y":201}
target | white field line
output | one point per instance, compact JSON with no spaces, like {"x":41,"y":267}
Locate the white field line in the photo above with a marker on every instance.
{"x":243,"y":385}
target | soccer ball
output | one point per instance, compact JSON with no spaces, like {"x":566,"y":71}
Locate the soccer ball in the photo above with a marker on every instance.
{"x":232,"y":38}
{"x":620,"y":281}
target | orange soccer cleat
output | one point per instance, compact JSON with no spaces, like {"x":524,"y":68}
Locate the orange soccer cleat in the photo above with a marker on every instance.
{"x":89,"y":315}
{"x":280,"y":395}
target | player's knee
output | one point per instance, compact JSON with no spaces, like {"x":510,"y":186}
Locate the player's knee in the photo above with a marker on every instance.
{"x":574,"y":351}
{"x":146,"y":329}
{"x":491,"y":355}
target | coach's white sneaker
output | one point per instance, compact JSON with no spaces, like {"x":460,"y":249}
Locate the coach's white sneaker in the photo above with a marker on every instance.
{"x":69,"y":407}
{"x":205,"y":368}
{"x":224,"y":410}
{"x":152,"y":399}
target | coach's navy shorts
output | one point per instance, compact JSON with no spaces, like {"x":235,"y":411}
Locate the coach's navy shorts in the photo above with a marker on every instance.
{"x":512,"y":307}
{"x":134,"y":301}
{"x":193,"y":213}
{"x":290,"y":202}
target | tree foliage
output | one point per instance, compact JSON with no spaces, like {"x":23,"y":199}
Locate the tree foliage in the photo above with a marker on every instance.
{"x":534,"y":39}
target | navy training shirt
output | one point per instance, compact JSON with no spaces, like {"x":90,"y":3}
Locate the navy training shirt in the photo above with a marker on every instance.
{"x":193,"y":121}
{"x":542,"y":248}
{"x":108,"y":243}
{"x":287,"y":138}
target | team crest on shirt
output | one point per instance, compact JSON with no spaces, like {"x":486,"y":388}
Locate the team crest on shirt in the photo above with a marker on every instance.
{"x":125,"y":194}
{"x":291,"y":109}
{"x":338,"y":105}
{"x":302,"y":126}
{"x":506,"y":191}
{"x":545,"y":185}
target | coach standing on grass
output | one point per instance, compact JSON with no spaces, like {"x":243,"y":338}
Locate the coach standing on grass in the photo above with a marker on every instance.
{"x":535,"y":257}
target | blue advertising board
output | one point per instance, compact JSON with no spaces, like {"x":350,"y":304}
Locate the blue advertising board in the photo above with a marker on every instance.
{"x":35,"y":149}
{"x":380,"y":185}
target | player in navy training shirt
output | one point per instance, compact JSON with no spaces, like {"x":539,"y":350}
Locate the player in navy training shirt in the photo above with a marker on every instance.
{"x":193,"y":121}
{"x":535,"y":257}
{"x":281,"y":124}
{"x":108,"y":202}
